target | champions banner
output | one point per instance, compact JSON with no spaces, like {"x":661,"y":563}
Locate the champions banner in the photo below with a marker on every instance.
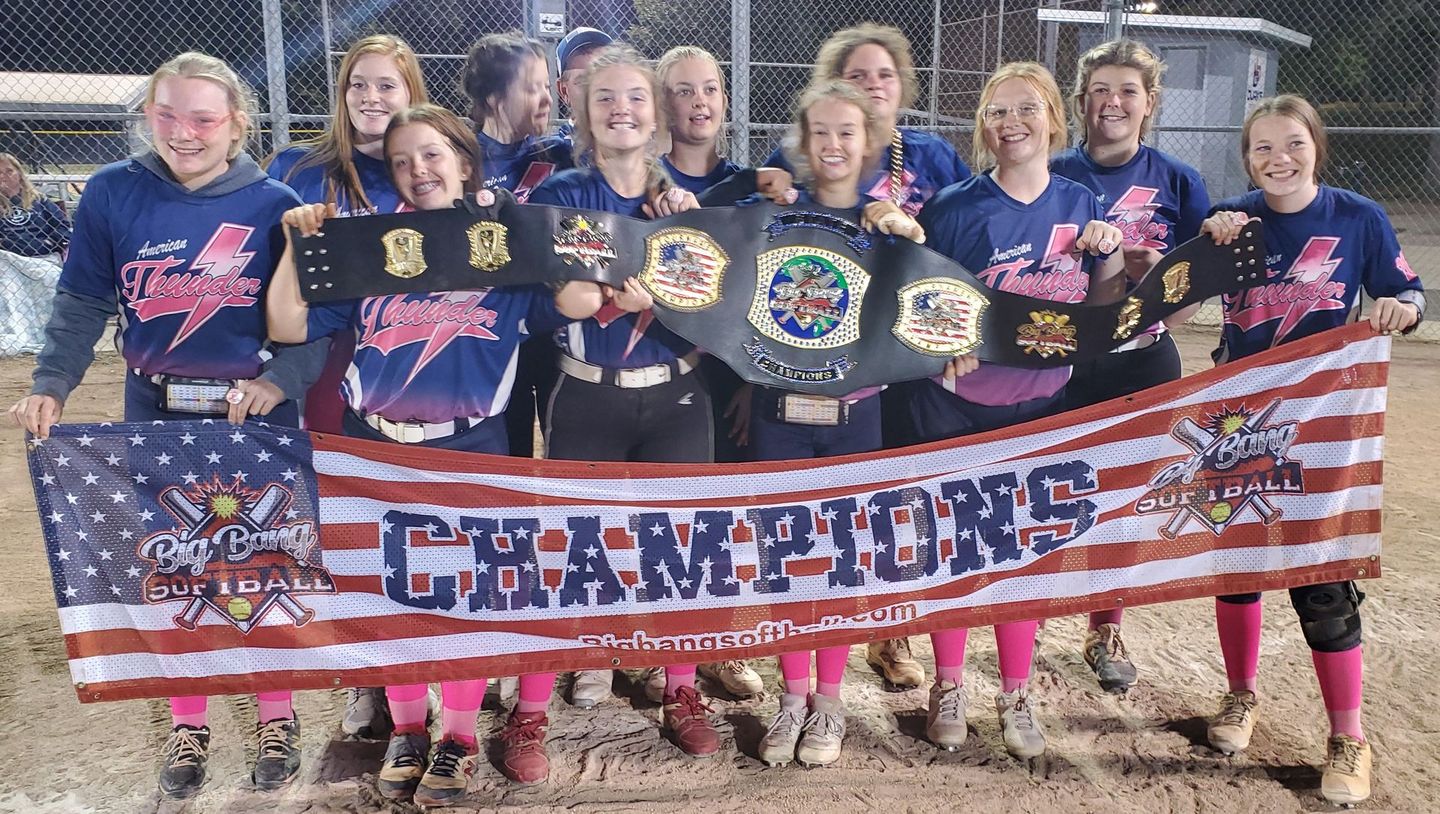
{"x":200,"y":558}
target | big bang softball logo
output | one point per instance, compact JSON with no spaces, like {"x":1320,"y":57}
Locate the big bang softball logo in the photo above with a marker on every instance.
{"x":1236,"y":459}
{"x":233,"y":553}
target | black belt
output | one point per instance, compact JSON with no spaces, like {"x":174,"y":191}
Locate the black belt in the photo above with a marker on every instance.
{"x":798,"y":299}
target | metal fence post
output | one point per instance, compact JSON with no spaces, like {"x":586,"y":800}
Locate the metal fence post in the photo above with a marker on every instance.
{"x":275,"y":74}
{"x":1115,"y":24}
{"x":740,"y":79}
{"x":327,"y":35}
{"x":935,"y":65}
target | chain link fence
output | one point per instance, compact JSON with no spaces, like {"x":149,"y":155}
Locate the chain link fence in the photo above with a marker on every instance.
{"x":72,"y":75}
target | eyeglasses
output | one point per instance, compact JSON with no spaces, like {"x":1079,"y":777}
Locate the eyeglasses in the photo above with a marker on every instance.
{"x":995,"y":114}
{"x":202,"y":125}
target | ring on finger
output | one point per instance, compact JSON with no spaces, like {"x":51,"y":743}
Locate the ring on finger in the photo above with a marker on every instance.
{"x":234,"y":395}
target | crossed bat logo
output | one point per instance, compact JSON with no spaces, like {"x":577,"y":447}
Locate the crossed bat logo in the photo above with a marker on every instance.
{"x":233,"y":556}
{"x":1234,"y":463}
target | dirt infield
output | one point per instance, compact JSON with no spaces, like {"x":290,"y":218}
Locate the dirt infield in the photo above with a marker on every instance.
{"x":1142,"y":753}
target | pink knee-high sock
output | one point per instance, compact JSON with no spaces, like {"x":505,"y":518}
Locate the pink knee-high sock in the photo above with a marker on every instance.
{"x":830,"y":669}
{"x":1239,"y":628}
{"x":1015,"y":644}
{"x":1106,"y":617}
{"x":408,"y":705}
{"x":460,"y":706}
{"x":188,"y":710}
{"x":677,"y":677}
{"x":274,"y":705}
{"x":535,"y":692}
{"x":950,"y":654}
{"x":1341,"y":678}
{"x":795,"y":669}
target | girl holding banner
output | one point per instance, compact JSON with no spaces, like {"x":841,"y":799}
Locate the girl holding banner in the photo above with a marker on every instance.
{"x":194,"y":189}
{"x":627,"y":390}
{"x":345,"y":166}
{"x":836,"y":128}
{"x":447,"y":398}
{"x":1025,"y":230}
{"x":1157,"y":202}
{"x":1322,"y":245}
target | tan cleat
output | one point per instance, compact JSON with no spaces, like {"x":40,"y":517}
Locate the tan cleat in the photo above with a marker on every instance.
{"x":1346,"y":777}
{"x":891,"y":658}
{"x":824,"y":732}
{"x":1019,"y":729}
{"x":945,"y":726}
{"x":590,"y":688}
{"x":777,"y":748}
{"x":735,"y":676}
{"x":1230,"y":729}
{"x":654,"y":684}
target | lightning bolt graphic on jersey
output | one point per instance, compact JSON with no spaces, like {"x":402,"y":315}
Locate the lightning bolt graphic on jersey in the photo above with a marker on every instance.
{"x":912,"y":197}
{"x":1305,"y":288}
{"x":608,"y":313}
{"x":1060,"y":277}
{"x":212,"y":282}
{"x":388,"y":323}
{"x":1134,"y":215}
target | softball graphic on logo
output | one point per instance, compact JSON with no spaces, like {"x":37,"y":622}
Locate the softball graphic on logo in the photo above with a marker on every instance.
{"x":807,"y":297}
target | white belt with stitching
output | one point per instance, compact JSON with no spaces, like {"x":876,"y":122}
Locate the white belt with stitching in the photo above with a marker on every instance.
{"x":1139,"y":343}
{"x":632,"y":377}
{"x":414,"y":432}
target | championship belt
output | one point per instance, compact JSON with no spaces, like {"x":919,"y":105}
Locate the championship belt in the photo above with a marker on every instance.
{"x":806,"y":300}
{"x":465,"y":248}
{"x":798,"y":299}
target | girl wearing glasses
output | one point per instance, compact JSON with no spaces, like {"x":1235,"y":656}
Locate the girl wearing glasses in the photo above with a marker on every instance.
{"x":1024,"y":230}
{"x":1157,"y":202}
{"x":1322,"y":245}
{"x":195,"y":189}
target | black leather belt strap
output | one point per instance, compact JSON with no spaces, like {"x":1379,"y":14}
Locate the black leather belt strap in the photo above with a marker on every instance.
{"x":795,"y":298}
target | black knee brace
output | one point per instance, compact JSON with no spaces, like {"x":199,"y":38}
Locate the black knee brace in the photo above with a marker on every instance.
{"x":1329,"y":615}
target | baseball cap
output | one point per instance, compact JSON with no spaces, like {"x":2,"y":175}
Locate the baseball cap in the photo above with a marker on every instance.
{"x":578,"y":40}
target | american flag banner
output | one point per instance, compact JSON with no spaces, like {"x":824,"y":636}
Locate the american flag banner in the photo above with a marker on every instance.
{"x":200,"y":558}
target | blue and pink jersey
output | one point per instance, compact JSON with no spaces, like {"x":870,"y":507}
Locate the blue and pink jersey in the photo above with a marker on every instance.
{"x":928,"y":165}
{"x":1022,"y":248}
{"x":1154,"y":199}
{"x":438,"y":356}
{"x":1317,"y":260}
{"x":521,"y":167}
{"x":310,"y":182}
{"x":612,"y":338}
{"x":190,"y":271}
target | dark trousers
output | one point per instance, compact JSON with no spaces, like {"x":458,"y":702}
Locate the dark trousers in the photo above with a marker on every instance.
{"x":940,"y":414}
{"x":1114,"y":375}
{"x":666,"y":423}
{"x":534,"y":376}
{"x":774,"y":440}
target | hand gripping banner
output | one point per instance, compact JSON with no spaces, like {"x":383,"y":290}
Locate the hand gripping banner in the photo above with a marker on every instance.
{"x":200,"y":558}
{"x":802,"y":299}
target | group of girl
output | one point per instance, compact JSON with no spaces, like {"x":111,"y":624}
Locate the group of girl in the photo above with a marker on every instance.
{"x":1035,"y":204}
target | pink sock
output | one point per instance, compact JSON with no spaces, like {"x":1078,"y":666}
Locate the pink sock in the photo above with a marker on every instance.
{"x":677,"y":677}
{"x":830,"y":669}
{"x":460,"y":706}
{"x":535,"y":692}
{"x":1106,"y":617}
{"x":408,"y":705}
{"x":1341,"y":685}
{"x":795,"y":669}
{"x":188,"y":710}
{"x":1015,"y":643}
{"x":1239,"y":627}
{"x":274,"y":706}
{"x":950,"y":654}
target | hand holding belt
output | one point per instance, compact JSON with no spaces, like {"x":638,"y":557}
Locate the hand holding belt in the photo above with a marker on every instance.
{"x":799,"y":299}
